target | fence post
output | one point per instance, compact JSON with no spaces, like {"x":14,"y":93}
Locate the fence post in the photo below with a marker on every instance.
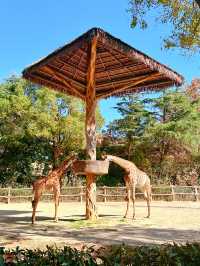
{"x":104,"y":194}
{"x":81,"y":194}
{"x":9,"y":195}
{"x":195,"y":193}
{"x":172,"y":191}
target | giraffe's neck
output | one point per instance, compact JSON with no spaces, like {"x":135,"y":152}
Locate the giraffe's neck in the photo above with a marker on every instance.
{"x":65,"y":165}
{"x":59,"y":172}
{"x":121,"y":162}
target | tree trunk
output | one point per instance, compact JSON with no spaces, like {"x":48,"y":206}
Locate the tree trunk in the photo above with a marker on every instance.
{"x":129,"y":150}
{"x":56,"y":154}
{"x":91,"y":212}
{"x":162,"y":154}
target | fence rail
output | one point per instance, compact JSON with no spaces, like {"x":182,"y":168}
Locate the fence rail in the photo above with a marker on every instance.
{"x":104,"y":194}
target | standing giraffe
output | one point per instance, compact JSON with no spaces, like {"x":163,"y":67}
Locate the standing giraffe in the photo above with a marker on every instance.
{"x":50,"y":182}
{"x":133,"y":178}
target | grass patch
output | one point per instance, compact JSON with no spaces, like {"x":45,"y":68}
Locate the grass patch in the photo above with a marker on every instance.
{"x":99,"y":223}
{"x":75,"y":222}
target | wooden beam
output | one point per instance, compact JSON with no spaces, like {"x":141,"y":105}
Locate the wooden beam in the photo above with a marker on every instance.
{"x":70,"y":48}
{"x":49,"y":83}
{"x":134,"y":54}
{"x":76,"y":69}
{"x":120,"y":73}
{"x":90,"y":130}
{"x":61,"y":78}
{"x":119,"y":61}
{"x":116,"y":68}
{"x":141,"y":88}
{"x":107,"y":72}
{"x":129,"y":86}
{"x":71,"y":64}
{"x":122,"y":81}
{"x":63,"y":74}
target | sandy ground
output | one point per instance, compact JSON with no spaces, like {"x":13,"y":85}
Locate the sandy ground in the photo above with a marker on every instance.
{"x":170,"y":221}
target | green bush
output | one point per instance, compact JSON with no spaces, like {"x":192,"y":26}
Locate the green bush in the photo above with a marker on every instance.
{"x":163,"y":255}
{"x":52,"y":256}
{"x":155,"y":255}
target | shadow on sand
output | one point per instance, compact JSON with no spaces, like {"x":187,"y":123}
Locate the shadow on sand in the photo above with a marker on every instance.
{"x":17,"y":228}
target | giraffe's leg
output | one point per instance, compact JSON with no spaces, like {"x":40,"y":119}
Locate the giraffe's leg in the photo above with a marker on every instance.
{"x":56,"y":199}
{"x":128,"y":203}
{"x":133,"y":199}
{"x":147,"y":195}
{"x":149,"y":201}
{"x":35,"y":201}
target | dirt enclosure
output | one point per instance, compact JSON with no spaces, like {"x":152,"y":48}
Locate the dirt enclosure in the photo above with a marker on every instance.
{"x":170,"y":221}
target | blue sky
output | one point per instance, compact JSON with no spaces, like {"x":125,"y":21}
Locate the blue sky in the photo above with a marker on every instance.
{"x":30,"y":30}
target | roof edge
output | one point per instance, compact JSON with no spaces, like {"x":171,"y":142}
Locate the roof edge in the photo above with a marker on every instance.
{"x":125,"y":48}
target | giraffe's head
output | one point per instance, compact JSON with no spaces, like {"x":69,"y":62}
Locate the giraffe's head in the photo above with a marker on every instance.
{"x":105,"y":156}
{"x":73,"y":156}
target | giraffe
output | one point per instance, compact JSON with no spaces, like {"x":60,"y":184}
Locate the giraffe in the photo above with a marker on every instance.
{"x":50,"y":182}
{"x":133,"y":178}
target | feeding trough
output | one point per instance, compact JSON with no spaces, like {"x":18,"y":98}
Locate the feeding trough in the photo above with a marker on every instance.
{"x":85,"y":167}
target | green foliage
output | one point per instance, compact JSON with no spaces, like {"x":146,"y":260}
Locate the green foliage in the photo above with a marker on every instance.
{"x":173,"y":139}
{"x":161,"y":135}
{"x":131,"y":126}
{"x":159,"y":255}
{"x":37,"y":125}
{"x":51,"y":256}
{"x":177,"y":255}
{"x":134,"y":120}
{"x":183,"y":15}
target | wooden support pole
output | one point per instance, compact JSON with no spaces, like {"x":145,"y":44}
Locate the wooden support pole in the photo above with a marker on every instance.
{"x":9,"y":194}
{"x":91,"y":212}
{"x":172,"y":191}
{"x":81,"y":194}
{"x":104,"y":194}
{"x":195,"y":193}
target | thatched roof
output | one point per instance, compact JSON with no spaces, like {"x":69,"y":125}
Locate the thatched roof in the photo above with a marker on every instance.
{"x":120,"y":69}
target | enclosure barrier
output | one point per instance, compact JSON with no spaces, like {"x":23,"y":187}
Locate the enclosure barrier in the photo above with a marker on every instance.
{"x":104,"y":194}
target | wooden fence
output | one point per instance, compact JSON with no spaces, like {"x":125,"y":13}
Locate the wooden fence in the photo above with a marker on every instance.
{"x":104,"y":194}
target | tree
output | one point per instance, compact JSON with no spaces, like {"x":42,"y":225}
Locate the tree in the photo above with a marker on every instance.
{"x":59,"y":119}
{"x":164,"y":134}
{"x":183,"y":15}
{"x":39,"y":126}
{"x":17,"y":150}
{"x":174,"y":137}
{"x":131,"y":126}
{"x":193,"y":90}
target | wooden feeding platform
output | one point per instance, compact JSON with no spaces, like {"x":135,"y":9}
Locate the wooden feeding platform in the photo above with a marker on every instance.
{"x":94,"y":66}
{"x":85,"y":167}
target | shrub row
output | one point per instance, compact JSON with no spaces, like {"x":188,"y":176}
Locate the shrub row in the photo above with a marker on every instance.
{"x":173,"y":255}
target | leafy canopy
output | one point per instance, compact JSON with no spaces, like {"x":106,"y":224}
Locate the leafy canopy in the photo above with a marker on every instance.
{"x":37,"y":126}
{"x":161,"y":135}
{"x":183,"y":15}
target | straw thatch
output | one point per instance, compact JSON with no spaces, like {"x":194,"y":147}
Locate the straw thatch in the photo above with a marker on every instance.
{"x":119,"y":68}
